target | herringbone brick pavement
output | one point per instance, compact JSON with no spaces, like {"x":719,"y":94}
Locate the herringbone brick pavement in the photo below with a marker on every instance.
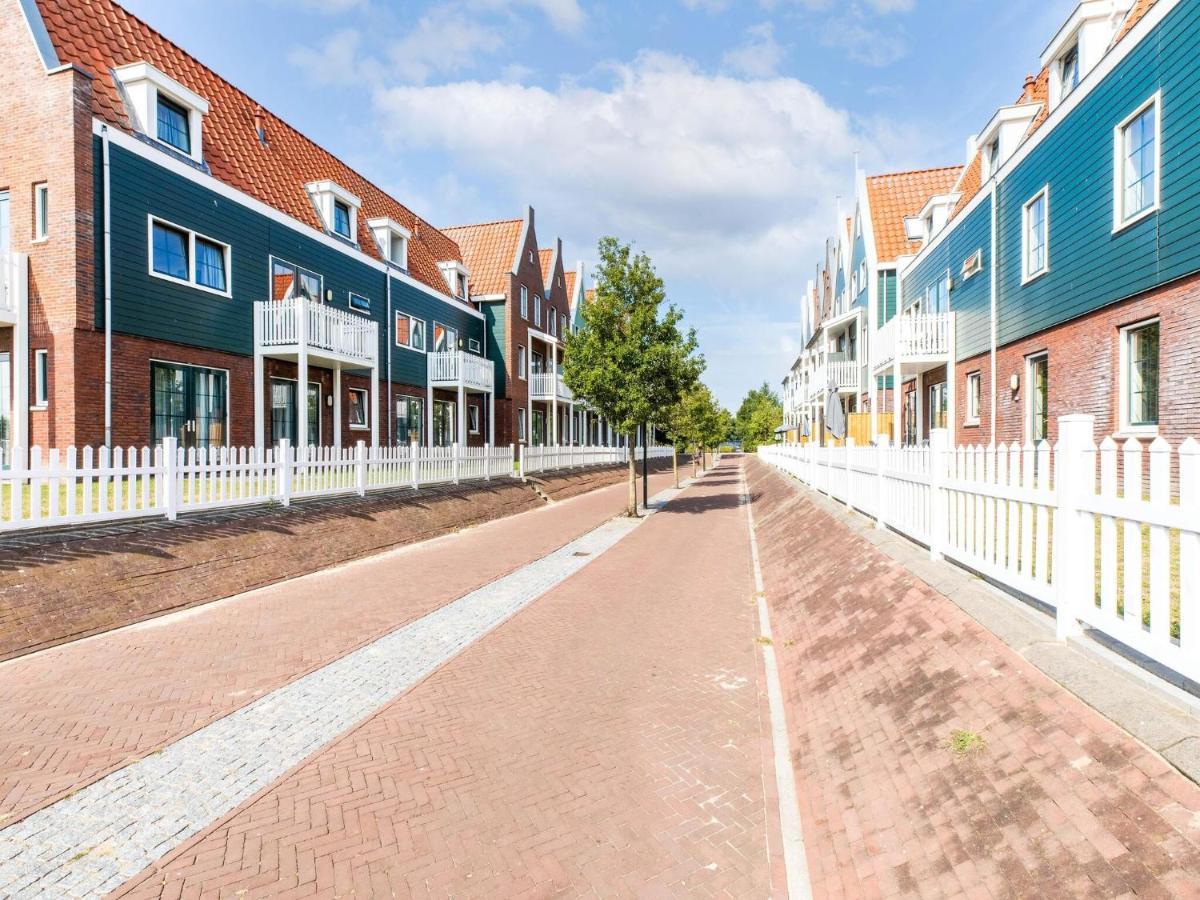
{"x":879,"y":670}
{"x":604,"y":742}
{"x":71,"y":714}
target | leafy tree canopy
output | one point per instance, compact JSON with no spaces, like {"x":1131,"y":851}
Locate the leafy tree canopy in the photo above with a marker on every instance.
{"x":758,"y":417}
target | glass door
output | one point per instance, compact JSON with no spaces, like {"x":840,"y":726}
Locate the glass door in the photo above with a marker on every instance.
{"x":283,"y":410}
{"x":443,"y":423}
{"x":314,"y":414}
{"x":539,"y":428}
{"x":5,"y":399}
{"x":189,"y":403}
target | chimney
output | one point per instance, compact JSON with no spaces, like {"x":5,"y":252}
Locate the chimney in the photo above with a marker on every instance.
{"x":417,"y":229}
{"x":1030,"y":81}
{"x":260,"y":128}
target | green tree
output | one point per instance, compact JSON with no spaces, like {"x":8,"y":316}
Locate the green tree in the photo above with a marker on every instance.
{"x":631,"y":360}
{"x":758,"y":417}
{"x":698,"y":422}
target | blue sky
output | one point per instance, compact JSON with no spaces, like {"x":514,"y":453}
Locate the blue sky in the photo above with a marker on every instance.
{"x":714,"y":134}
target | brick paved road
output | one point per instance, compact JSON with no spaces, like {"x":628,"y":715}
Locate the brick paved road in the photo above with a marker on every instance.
{"x":879,"y":669}
{"x":71,"y":714}
{"x":606,"y":741}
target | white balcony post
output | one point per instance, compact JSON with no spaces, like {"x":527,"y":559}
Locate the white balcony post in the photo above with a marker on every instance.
{"x":455,"y":451}
{"x":169,"y":492}
{"x":1074,"y":546}
{"x":360,"y":468}
{"x":460,"y":427}
{"x":302,"y":373}
{"x":373,"y":398}
{"x":414,"y":464}
{"x":487,"y":461}
{"x":337,"y":405}
{"x":554,"y":393}
{"x":939,"y":512}
{"x":512,"y":456}
{"x":428,"y":412}
{"x":259,"y":386}
{"x":491,"y":417}
{"x":283,"y":472}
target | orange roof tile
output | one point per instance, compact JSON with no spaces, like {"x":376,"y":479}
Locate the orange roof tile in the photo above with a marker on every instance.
{"x":570,"y":282}
{"x":1140,"y":8}
{"x":546,"y":258}
{"x":893,"y":197}
{"x":99,"y":35}
{"x":488,"y":249}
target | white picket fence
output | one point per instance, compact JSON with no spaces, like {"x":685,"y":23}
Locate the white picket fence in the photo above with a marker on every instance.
{"x":545,"y":459}
{"x":1097,"y":534}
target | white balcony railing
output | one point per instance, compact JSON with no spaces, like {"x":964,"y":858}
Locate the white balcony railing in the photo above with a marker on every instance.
{"x":548,"y":386}
{"x":914,"y":336}
{"x":455,"y":366}
{"x":10,"y":284}
{"x":339,"y":333}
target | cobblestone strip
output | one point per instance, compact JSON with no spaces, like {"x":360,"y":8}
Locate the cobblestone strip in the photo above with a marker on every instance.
{"x":92,"y":841}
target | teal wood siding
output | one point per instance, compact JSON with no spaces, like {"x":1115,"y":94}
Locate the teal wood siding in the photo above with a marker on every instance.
{"x":887,"y":296}
{"x":1090,"y":266}
{"x":496,"y":323}
{"x":856,"y":260}
{"x":970,"y":300}
{"x":150,"y":307}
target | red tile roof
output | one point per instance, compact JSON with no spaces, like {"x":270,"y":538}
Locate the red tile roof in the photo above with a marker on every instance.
{"x":99,"y":35}
{"x":546,"y":258}
{"x":489,"y":250}
{"x":570,"y":283}
{"x":898,"y":195}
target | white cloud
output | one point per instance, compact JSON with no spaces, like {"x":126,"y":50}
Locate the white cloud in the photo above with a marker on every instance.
{"x":446,"y":40}
{"x":758,"y":56}
{"x":876,"y":47}
{"x":334,"y":62}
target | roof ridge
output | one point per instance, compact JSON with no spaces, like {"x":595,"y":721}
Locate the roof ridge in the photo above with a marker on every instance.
{"x":480,"y":224}
{"x":915,"y":172}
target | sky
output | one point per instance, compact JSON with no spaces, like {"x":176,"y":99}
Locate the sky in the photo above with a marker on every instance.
{"x":715,"y":135}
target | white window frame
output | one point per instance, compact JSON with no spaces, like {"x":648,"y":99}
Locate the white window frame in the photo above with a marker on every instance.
{"x":537,"y":310}
{"x":41,"y":379}
{"x":323,"y":195}
{"x":1031,"y":360}
{"x":1120,"y":221}
{"x":366,"y":426}
{"x":974,"y":398}
{"x":142,"y":84}
{"x":411,"y":320}
{"x":390,"y":234}
{"x":472,"y":418}
{"x":1026,"y":274}
{"x":350,"y":295}
{"x":521,"y":424}
{"x":522,"y":362}
{"x":1127,"y":429}
{"x":41,"y":212}
{"x":448,"y":330}
{"x":525,"y":303}
{"x":474,"y":346}
{"x":190,"y":281}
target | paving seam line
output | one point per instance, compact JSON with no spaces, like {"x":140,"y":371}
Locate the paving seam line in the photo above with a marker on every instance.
{"x":799,"y":884}
{"x":97,"y":838}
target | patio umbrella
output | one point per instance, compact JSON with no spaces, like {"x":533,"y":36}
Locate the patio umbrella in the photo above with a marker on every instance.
{"x":804,"y":431}
{"x":835,"y":417}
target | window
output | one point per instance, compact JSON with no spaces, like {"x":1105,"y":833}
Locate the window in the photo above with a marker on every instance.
{"x":1137,"y":163}
{"x":341,"y":218}
{"x":524,"y":302}
{"x":564,"y":328}
{"x":520,"y":361}
{"x":521,"y":424}
{"x":862,"y":276}
{"x":41,"y":211}
{"x":1068,"y":71}
{"x":552,"y":321}
{"x":190,"y":404}
{"x":444,"y":339}
{"x":285,"y":417}
{"x":173,"y":249}
{"x":392,"y":238}
{"x":974,"y":396}
{"x":1037,"y":377}
{"x":1035,"y":236}
{"x":359,"y":303}
{"x":938,"y":295}
{"x":41,"y":378}
{"x":173,"y":126}
{"x":537,"y":310}
{"x":474,"y":346}
{"x":462,"y":285}
{"x":289,"y":282}
{"x":358,"y":408}
{"x":410,"y":332}
{"x":410,"y":420}
{"x":444,"y":418}
{"x":210,"y":264}
{"x":473,"y":418}
{"x":992,"y":158}
{"x":1141,"y":365}
{"x":937,"y":406}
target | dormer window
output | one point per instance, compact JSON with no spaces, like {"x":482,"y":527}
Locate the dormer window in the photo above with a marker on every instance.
{"x":992,"y":158}
{"x":164,"y":109}
{"x":456,"y":276}
{"x":1080,"y":44}
{"x":1068,"y":71}
{"x":1004,"y":134}
{"x":392,"y":238}
{"x":337,"y":207}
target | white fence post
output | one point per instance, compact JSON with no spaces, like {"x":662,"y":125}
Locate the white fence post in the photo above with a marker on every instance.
{"x":454,"y":462}
{"x":283,"y":471}
{"x":169,"y":493}
{"x":360,"y":468}
{"x":521,"y":461}
{"x":881,"y":454}
{"x":414,"y":458}
{"x":487,"y":462}
{"x":939,"y":440}
{"x":849,"y":449}
{"x":1074,"y":539}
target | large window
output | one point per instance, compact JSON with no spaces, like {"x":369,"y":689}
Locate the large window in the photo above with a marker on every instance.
{"x":285,"y":420}
{"x":443,"y":423}
{"x":1137,"y":150}
{"x":41,"y":378}
{"x":939,"y":295}
{"x":974,"y":397}
{"x":1035,"y":236}
{"x":289,"y":281}
{"x":1140,"y":353}
{"x":358,"y":399}
{"x":410,"y":421}
{"x":341,"y":218}
{"x":190,"y":404}
{"x":1037,"y":377}
{"x":410,"y":332}
{"x":178,"y":254}
{"x":937,"y":406}
{"x":445,"y":339}
{"x":173,"y":125}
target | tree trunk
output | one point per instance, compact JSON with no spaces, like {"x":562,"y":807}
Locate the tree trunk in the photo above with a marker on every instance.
{"x":632,"y":509}
{"x":694,"y":462}
{"x":675,"y":465}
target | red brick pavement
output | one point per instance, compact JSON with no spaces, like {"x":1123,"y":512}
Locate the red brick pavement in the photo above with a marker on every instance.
{"x":71,"y":714}
{"x":606,"y":741}
{"x":878,"y":670}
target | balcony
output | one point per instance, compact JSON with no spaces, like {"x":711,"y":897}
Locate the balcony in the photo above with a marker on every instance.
{"x":282,"y":327}
{"x":917,"y":341}
{"x":847,"y":376}
{"x":11,"y":286}
{"x":456,"y":367}
{"x":548,"y":386}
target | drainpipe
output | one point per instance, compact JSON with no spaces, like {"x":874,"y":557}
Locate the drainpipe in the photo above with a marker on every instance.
{"x":107,"y":290}
{"x":992,"y":276}
{"x":387,"y":332}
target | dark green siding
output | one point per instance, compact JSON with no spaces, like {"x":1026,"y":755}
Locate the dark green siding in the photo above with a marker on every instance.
{"x":1090,"y":266}
{"x":970,"y":300}
{"x":153,"y":308}
{"x":496,"y":319}
{"x":886,"y":296}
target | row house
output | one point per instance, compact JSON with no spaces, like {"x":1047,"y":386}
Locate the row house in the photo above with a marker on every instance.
{"x":1056,"y":271}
